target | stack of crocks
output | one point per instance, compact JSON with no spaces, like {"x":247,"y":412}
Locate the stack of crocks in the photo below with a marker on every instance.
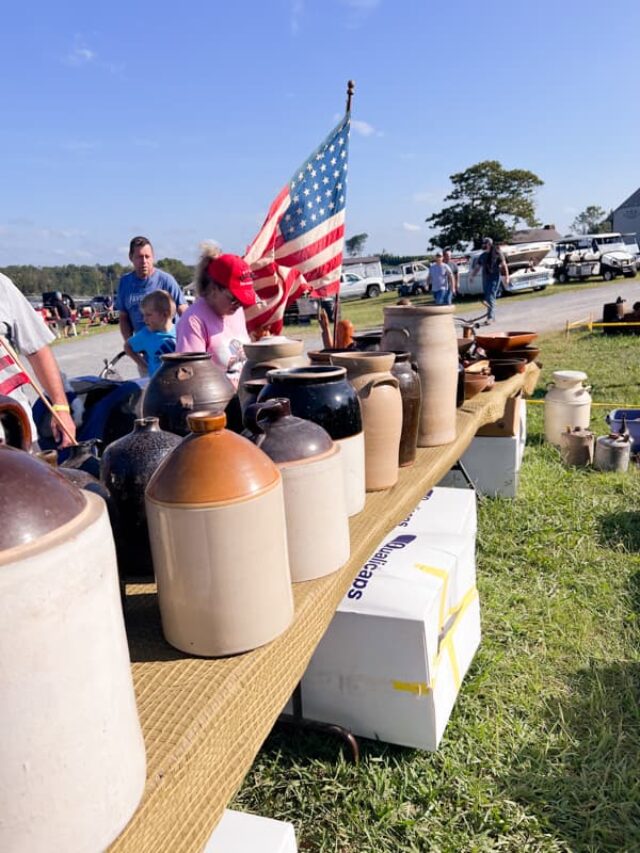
{"x":309,"y":461}
{"x":73,"y":761}
{"x":215,"y":510}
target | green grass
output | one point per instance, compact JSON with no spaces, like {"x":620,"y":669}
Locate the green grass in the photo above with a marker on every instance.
{"x":542,"y":752}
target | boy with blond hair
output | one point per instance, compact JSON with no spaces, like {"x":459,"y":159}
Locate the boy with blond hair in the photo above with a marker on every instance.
{"x":158,"y":336}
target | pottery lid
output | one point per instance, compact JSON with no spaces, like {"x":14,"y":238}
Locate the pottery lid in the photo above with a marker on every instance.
{"x":281,"y":435}
{"x":212,"y":465}
{"x":34,"y":498}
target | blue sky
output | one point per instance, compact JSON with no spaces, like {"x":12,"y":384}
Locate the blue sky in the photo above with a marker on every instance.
{"x":182,"y":121}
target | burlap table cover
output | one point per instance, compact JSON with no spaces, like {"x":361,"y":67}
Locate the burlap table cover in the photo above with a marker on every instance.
{"x":204,"y":720}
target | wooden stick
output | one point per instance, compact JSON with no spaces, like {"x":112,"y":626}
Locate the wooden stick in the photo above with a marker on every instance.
{"x":336,"y":316}
{"x":14,"y":355}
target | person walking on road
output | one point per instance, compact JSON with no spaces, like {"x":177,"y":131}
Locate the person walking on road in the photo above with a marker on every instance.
{"x":455,"y":272}
{"x":493,"y":264}
{"x":441,"y":281}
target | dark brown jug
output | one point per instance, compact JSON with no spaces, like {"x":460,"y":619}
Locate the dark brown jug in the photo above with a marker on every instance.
{"x":127,"y":467}
{"x":406,"y":372}
{"x":15,"y":429}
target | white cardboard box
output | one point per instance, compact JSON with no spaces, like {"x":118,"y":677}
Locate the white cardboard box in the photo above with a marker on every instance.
{"x":372,"y":675}
{"x":239,"y":832}
{"x":443,"y":511}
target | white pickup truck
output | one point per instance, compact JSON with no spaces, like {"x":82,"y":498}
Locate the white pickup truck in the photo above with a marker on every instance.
{"x":354,"y":286}
{"x":411,"y":277}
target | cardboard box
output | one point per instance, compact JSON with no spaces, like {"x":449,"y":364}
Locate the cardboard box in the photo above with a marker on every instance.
{"x":509,"y":423}
{"x":374,"y":675}
{"x":444,"y":511}
{"x":239,"y":832}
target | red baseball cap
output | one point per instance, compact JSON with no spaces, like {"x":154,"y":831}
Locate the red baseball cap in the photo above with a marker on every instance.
{"x":233,"y":273}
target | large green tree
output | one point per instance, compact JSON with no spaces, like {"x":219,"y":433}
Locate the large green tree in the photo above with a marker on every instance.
{"x":486,"y":200}
{"x":354,"y":245}
{"x":593,"y":220}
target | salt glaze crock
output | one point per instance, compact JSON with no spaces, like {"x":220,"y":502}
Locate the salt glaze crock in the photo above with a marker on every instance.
{"x":127,"y":467}
{"x":189,"y":382}
{"x":379,"y":394}
{"x":269,"y":353}
{"x":315,"y":507}
{"x":73,"y":761}
{"x":322,"y":394}
{"x":216,"y":518}
{"x":428,"y":333}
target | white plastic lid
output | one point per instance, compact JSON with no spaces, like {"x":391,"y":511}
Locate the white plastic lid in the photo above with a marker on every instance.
{"x":569,"y":375}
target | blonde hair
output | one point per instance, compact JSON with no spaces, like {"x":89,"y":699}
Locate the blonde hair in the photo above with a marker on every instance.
{"x":201,"y":279}
{"x":161,"y":301}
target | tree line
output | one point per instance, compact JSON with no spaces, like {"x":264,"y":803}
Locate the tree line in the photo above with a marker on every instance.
{"x":85,"y":280}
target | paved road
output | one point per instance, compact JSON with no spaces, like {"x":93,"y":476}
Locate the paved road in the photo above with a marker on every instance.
{"x":546,"y":312}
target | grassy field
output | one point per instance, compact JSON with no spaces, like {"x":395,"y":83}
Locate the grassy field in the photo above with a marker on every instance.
{"x":542,"y":752}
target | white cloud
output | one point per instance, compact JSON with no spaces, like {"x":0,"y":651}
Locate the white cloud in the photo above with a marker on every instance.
{"x":359,"y":11}
{"x":80,"y":54}
{"x":409,"y":226}
{"x":363,"y":127}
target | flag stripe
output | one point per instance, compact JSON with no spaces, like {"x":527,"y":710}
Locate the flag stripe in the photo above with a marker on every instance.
{"x":267,"y":233}
{"x":13,"y":382}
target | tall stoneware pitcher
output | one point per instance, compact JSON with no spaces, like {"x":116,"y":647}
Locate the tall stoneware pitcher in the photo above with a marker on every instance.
{"x":429,"y":335}
{"x":215,"y":509}
{"x":73,"y":763}
{"x":370,"y":375}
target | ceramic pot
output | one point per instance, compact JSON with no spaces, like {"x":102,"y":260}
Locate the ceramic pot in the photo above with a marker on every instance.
{"x":381,"y":403}
{"x":323,"y":356}
{"x":15,"y":428}
{"x":83,"y":457}
{"x":368,"y":341}
{"x":406,"y":372}
{"x":314,"y":500}
{"x":73,"y":762}
{"x":428,"y":334}
{"x":215,"y":509}
{"x":322,"y":394}
{"x":127,"y":467}
{"x":567,"y":403}
{"x":576,"y":447}
{"x":186,"y":383}
{"x":269,"y":353}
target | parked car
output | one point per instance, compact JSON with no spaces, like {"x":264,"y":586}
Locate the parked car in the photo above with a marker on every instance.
{"x":354,"y":286}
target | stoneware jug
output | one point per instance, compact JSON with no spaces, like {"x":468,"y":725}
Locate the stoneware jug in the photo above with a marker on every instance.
{"x":315,"y":507}
{"x":15,"y":428}
{"x":83,"y":456}
{"x":567,"y":403}
{"x":73,"y":761}
{"x":219,"y":541}
{"x":186,"y":383}
{"x":381,"y":403}
{"x":269,"y":353}
{"x":322,"y":394}
{"x":127,"y":467}
{"x":406,"y":372}
{"x":428,"y":334}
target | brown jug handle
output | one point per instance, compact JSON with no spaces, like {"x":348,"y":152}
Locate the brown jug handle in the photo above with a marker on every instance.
{"x":14,"y":420}
{"x":394,"y":329}
{"x":268,"y":410}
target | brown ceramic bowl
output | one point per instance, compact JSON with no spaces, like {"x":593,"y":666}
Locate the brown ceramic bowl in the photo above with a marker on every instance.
{"x":507,"y":367}
{"x":517,"y":340}
{"x":474,"y":383}
{"x":493,"y":343}
{"x":529,"y":353}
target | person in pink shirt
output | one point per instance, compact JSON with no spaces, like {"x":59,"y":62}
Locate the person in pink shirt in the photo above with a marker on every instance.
{"x":214,"y":323}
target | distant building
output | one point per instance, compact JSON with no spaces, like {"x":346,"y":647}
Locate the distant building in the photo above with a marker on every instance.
{"x":626,"y":218}
{"x":547,"y":233}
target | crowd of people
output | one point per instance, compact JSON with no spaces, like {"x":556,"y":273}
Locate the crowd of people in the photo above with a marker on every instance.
{"x":149,"y":301}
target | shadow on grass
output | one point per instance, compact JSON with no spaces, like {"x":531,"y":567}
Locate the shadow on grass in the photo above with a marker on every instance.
{"x":581,"y":780}
{"x":620,"y":529}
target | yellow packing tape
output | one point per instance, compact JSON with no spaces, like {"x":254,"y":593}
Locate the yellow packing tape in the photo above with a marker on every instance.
{"x":420,"y":688}
{"x":443,"y":575}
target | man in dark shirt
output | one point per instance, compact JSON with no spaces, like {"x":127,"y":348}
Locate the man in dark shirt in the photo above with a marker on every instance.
{"x":493,"y":264}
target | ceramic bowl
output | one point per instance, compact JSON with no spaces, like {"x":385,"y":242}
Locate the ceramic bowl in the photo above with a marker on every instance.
{"x":493,"y":343}
{"x":507,"y":367}
{"x":517,"y":340}
{"x":529,"y":353}
{"x":474,"y":383}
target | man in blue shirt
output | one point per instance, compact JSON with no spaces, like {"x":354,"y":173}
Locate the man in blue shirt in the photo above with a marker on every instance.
{"x":144,"y":279}
{"x":441,"y":280}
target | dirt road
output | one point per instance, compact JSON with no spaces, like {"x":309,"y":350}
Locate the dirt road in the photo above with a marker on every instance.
{"x":547,"y":312}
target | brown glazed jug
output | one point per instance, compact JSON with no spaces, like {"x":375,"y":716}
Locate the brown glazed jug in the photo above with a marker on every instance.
{"x":379,"y":394}
{"x":406,"y":372}
{"x":15,"y":429}
{"x":189,"y":382}
{"x":314,"y":498}
{"x":428,"y":333}
{"x":215,"y":510}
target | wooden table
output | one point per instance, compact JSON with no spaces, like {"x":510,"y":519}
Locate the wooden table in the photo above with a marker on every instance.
{"x":204,"y":720}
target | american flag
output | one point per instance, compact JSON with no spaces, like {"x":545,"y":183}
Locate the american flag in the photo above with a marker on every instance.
{"x":299,"y":247}
{"x":11,"y":376}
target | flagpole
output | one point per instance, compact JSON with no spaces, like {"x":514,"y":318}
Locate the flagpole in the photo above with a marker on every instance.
{"x":351,"y":87}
